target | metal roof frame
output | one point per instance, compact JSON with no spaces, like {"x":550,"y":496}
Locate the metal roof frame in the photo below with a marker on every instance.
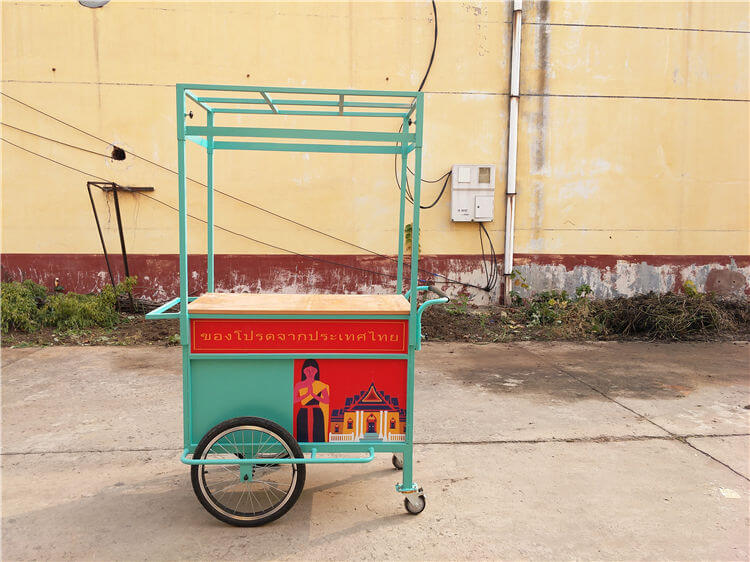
{"x":261,"y":100}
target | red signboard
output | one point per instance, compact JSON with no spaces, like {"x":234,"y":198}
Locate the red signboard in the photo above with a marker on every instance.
{"x":299,"y":336}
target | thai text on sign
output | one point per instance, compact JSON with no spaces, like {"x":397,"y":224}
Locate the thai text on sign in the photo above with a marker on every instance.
{"x":298,"y":336}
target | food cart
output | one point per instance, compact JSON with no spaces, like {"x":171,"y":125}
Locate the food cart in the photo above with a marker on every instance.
{"x":275,"y":382}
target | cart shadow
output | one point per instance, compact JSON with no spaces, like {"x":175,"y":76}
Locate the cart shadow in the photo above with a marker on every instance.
{"x":358,"y":495}
{"x":349,"y":480}
{"x":160,"y":517}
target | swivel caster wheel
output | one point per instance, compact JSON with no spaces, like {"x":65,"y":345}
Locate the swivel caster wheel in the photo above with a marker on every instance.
{"x":415,"y":505}
{"x":398,"y":461}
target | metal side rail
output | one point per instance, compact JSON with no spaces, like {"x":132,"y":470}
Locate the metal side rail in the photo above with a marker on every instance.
{"x":312,"y":459}
{"x":161,"y":312}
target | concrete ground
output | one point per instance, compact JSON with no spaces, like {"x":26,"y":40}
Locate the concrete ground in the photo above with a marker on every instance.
{"x":534,"y":450}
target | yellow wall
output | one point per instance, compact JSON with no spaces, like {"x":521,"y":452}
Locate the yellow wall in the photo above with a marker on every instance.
{"x":635,"y":140}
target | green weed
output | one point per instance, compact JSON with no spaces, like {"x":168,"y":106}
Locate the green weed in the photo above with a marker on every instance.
{"x":27,"y":306}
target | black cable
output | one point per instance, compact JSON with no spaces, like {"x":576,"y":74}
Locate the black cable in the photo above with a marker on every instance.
{"x":434,"y":47}
{"x":55,"y":118}
{"x":55,"y":161}
{"x":445,"y":183}
{"x":55,"y":140}
{"x":484,"y":259}
{"x":493,"y":270}
{"x":429,"y":181}
{"x":410,"y":197}
{"x":492,"y":274}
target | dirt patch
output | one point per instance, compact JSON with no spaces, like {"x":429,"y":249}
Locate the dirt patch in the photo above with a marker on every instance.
{"x":554,"y":316}
{"x":131,"y":330}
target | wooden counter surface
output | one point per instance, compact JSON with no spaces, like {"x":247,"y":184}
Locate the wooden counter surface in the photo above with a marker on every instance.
{"x":249,"y":303}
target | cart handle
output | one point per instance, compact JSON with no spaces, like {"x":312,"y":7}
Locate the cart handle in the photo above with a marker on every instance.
{"x":313,"y":459}
{"x":161,"y":312}
{"x":442,"y":300}
{"x":431,"y":288}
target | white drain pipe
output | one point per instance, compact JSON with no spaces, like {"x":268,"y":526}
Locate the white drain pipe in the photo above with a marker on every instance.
{"x":510,"y":190}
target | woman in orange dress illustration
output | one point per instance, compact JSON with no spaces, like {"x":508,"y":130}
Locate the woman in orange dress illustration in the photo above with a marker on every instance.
{"x":314,"y":402}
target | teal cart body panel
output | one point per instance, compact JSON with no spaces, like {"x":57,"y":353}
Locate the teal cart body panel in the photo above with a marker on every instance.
{"x":221,"y":389}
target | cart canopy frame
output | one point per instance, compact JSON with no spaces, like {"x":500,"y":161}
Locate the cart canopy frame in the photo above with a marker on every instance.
{"x":216,"y":99}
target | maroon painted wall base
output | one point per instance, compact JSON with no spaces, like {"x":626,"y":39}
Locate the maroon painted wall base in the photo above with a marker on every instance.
{"x":609,"y":275}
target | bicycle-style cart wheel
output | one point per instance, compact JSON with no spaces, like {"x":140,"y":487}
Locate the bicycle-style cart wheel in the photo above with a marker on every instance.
{"x":247,"y":495}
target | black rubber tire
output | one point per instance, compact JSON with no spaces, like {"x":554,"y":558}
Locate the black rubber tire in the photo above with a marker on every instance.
{"x":283,"y":434}
{"x":397,"y":463}
{"x":416,"y":510}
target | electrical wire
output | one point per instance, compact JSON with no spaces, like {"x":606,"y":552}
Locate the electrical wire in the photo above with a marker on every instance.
{"x":434,"y":46}
{"x":55,"y":140}
{"x":430,"y":181}
{"x":443,"y":278}
{"x":435,"y":202}
{"x":491,"y":272}
{"x":408,"y":193}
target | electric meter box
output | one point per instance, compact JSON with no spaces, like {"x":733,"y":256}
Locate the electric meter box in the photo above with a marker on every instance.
{"x":472,"y":193}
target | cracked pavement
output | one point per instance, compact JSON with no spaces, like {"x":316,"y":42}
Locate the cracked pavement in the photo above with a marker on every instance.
{"x":604,"y":450}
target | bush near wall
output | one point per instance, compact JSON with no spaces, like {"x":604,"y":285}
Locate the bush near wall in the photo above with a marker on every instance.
{"x":28,"y":306}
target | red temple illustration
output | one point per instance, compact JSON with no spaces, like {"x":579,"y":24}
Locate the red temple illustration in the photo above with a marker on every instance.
{"x":368,"y":416}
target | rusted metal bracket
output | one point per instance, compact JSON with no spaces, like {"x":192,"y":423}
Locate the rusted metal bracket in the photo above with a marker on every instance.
{"x":114,"y":188}
{"x":108,"y":186}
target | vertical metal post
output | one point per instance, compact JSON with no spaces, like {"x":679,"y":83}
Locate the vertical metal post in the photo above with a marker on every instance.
{"x":184,"y":327}
{"x":122,"y":244}
{"x":101,"y":236}
{"x":408,"y":483}
{"x":119,"y":230}
{"x":210,"y":203}
{"x":510,"y":190}
{"x":182,"y":198}
{"x":402,"y":209}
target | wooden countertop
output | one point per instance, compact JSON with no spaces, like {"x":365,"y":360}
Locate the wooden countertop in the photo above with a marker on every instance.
{"x":249,"y":303}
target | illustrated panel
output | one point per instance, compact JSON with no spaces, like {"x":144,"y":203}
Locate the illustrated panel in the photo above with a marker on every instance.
{"x":349,"y":400}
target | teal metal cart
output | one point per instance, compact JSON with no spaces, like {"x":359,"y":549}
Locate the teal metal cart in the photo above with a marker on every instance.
{"x":272,"y":383}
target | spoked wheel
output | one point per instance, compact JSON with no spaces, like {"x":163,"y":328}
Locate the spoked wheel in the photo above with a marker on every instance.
{"x":247,"y":495}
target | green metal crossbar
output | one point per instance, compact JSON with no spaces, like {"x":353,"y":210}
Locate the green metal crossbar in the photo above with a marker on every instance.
{"x":312,"y":459}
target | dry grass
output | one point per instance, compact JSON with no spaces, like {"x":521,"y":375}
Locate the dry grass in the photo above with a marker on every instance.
{"x":555,"y":316}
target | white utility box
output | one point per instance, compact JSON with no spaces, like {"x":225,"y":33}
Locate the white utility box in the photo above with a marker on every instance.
{"x":472,"y":193}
